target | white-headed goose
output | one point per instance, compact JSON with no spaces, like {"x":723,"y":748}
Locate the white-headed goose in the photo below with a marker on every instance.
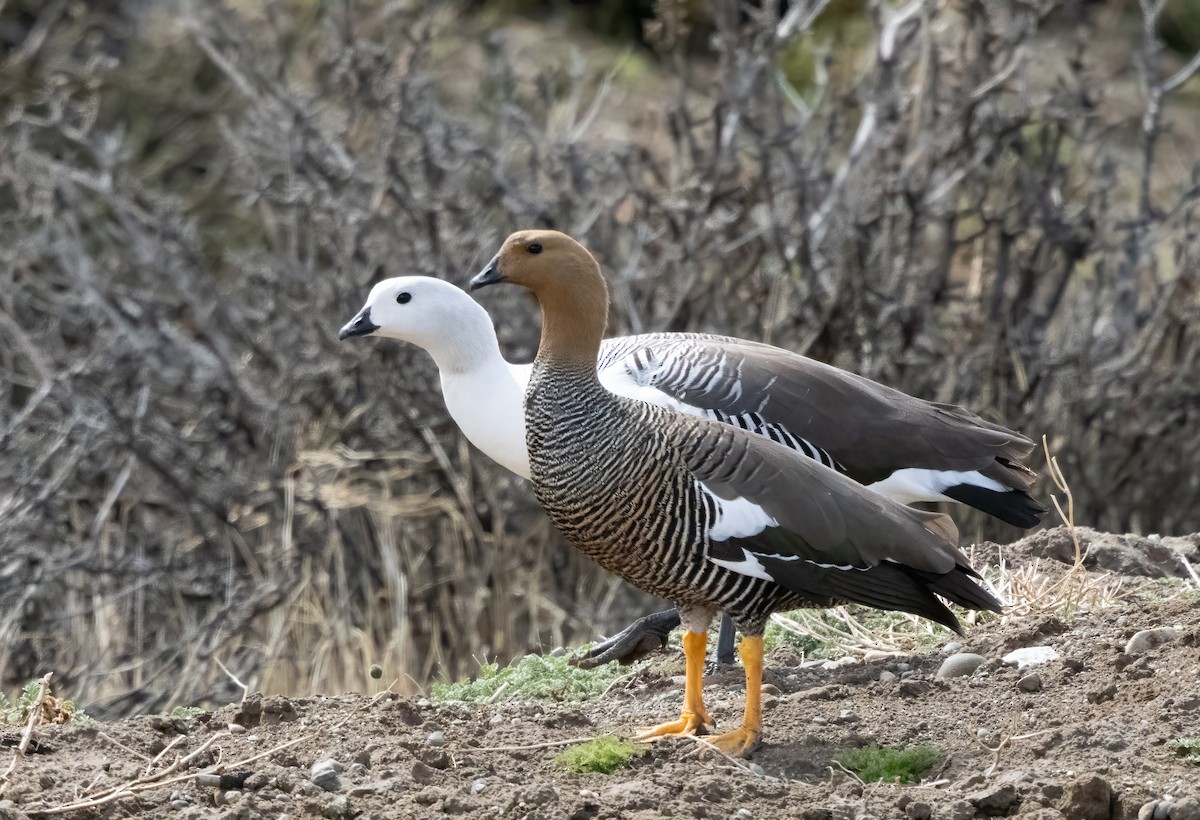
{"x":706,"y":515}
{"x":906,"y":448}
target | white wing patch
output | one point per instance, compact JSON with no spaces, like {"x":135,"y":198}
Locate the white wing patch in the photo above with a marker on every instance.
{"x":736,"y":518}
{"x":913,"y":484}
{"x":749,"y":565}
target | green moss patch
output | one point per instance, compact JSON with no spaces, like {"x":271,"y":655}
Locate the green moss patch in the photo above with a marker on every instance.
{"x":534,"y":677}
{"x":875,"y":763}
{"x":604,"y":755}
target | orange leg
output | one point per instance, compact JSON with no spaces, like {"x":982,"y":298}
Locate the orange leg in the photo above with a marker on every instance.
{"x":694,"y":719}
{"x":741,"y":741}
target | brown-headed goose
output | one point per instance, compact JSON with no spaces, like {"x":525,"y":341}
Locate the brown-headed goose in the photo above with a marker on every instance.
{"x":704,"y":514}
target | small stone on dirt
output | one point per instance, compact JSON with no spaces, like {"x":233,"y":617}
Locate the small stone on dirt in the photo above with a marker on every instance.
{"x":436,"y":739}
{"x":887,"y":677}
{"x":1087,"y":797}
{"x":1030,"y":656}
{"x":913,"y":688}
{"x":324,"y":773}
{"x":995,"y":802}
{"x":1148,"y":639}
{"x":1030,"y":683}
{"x":960,"y":665}
{"x":918,"y":811}
{"x":952,"y":647}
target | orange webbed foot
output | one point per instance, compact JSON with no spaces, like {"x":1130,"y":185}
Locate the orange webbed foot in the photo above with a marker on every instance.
{"x":688,"y":724}
{"x":738,"y":743}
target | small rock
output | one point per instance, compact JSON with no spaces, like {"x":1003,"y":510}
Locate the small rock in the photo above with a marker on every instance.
{"x":1163,"y":810}
{"x":743,"y":814}
{"x":1148,"y":639}
{"x":820,"y":721}
{"x":1030,"y":683}
{"x":175,"y":804}
{"x":256,"y":781}
{"x":756,"y":769}
{"x":1087,"y":797}
{"x":918,"y":811}
{"x":887,"y":677}
{"x":324,"y":773}
{"x":771,"y":689}
{"x":907,"y":667}
{"x":422,"y":774}
{"x":1146,"y":812}
{"x":436,"y":739}
{"x":496,"y":720}
{"x":952,"y":647}
{"x":913,"y":688}
{"x":960,"y":665}
{"x":558,"y":652}
{"x":363,"y":757}
{"x":358,"y":770}
{"x":847,"y":716}
{"x":1030,"y":656}
{"x":769,"y":702}
{"x":478,"y":786}
{"x":423,"y":703}
{"x":995,"y":802}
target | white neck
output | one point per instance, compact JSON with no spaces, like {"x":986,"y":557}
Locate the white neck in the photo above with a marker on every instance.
{"x":484,"y":394}
{"x":488,"y":404}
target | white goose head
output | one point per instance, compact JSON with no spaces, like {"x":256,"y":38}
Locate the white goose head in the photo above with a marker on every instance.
{"x":432,"y":314}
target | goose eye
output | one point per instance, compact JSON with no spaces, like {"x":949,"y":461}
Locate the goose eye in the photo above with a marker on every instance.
{"x":535,"y":247}
{"x":403,"y":298}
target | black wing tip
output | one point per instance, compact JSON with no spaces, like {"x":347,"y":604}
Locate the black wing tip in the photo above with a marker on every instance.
{"x":1015,"y":507}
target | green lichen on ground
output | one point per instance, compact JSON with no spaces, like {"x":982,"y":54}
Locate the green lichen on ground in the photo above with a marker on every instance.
{"x":604,"y":755}
{"x":533,"y":677}
{"x":875,"y":763}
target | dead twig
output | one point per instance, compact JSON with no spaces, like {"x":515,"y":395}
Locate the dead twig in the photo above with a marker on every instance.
{"x":530,"y":748}
{"x":35,"y":713}
{"x":235,"y":679}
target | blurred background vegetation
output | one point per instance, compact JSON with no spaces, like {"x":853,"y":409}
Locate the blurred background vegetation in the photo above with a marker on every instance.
{"x":990,"y":203}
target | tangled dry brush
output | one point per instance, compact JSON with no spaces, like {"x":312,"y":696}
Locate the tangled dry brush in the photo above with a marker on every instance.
{"x":986,"y":203}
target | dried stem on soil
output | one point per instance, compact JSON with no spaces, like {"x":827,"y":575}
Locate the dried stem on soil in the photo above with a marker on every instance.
{"x":35,"y":713}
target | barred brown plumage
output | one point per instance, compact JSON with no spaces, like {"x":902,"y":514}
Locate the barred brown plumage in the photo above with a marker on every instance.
{"x":757,"y":526}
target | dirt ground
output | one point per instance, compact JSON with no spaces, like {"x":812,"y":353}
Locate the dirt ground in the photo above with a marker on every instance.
{"x":1094,"y":737}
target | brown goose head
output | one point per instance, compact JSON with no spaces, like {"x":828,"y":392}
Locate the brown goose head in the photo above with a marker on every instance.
{"x":568,"y":284}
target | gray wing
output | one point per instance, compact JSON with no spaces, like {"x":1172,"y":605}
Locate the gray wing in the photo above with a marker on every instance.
{"x":863,"y":428}
{"x":786,"y":518}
